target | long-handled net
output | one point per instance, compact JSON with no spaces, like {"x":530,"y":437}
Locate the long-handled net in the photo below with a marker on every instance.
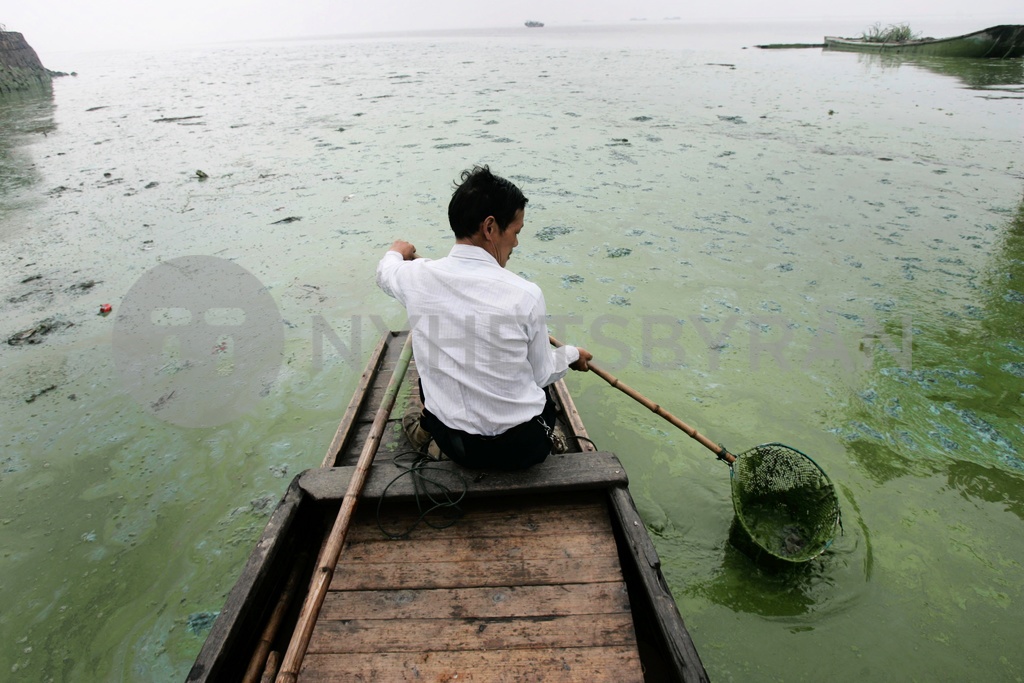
{"x":785,"y":504}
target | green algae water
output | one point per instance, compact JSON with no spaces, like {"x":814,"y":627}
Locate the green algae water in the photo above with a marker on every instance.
{"x":822,"y":249}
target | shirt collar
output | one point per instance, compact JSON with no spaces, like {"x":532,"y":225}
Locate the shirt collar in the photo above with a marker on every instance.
{"x":472,"y":253}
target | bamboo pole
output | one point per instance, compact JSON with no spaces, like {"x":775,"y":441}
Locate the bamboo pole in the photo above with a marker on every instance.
{"x":717,"y":449}
{"x":271,"y":671}
{"x":329,"y":554}
{"x":255,"y":672}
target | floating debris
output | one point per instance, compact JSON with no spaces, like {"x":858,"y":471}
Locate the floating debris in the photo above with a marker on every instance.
{"x":617,"y":300}
{"x":982,"y":428}
{"x":200,"y":622}
{"x":34,"y":335}
{"x":83,"y":286}
{"x":619,"y":252}
{"x":162,"y":401}
{"x":893,"y":408}
{"x":263,"y":505}
{"x":550,"y":232}
{"x":33,"y":397}
{"x":173,"y":119}
{"x":289,"y":219}
{"x":1012,"y":461}
{"x":865,"y":430}
{"x":61,"y":189}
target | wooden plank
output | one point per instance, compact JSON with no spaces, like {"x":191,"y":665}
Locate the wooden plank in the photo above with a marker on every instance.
{"x":680,"y":650}
{"x":584,"y":518}
{"x":343,"y":432}
{"x":559,"y":473}
{"x":494,"y":546}
{"x":490,"y":601}
{"x":430,"y":635}
{"x":480,"y":573}
{"x":376,"y":391}
{"x":507,"y":543}
{"x":563,"y":665}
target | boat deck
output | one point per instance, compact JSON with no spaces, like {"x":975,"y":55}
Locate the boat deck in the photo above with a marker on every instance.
{"x":515,"y":588}
{"x":549,"y":574}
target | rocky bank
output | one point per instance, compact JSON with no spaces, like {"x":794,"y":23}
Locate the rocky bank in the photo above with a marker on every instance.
{"x":20,"y":68}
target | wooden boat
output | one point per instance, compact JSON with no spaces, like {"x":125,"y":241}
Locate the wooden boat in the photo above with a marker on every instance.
{"x":997,"y":42}
{"x":548,"y":575}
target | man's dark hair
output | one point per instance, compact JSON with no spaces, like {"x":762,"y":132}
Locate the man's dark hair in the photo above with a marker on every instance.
{"x":482,"y":194}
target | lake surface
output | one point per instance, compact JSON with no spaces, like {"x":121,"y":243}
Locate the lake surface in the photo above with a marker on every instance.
{"x":823,"y":249}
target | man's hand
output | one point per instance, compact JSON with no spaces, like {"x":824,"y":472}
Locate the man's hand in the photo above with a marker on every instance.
{"x":407,"y":250}
{"x":583,"y":363}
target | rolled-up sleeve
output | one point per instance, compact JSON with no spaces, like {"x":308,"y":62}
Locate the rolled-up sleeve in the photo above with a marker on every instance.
{"x":549,"y":364}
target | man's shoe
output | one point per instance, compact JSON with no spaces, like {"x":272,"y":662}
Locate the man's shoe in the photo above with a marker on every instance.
{"x":417,"y":435}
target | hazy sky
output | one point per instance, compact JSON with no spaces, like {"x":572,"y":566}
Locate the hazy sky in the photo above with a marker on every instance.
{"x":58,"y":25}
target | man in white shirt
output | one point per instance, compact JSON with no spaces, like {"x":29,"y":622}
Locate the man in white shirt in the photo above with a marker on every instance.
{"x":480,"y":335}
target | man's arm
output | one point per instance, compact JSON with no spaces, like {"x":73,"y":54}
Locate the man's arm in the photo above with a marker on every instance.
{"x":550,"y":364}
{"x":389,"y":264}
{"x":406,"y":249}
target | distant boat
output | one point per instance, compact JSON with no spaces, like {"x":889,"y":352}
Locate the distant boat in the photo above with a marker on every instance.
{"x":535,"y":24}
{"x":997,"y":42}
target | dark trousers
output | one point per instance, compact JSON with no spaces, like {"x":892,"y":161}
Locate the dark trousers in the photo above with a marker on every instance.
{"x":520,"y":447}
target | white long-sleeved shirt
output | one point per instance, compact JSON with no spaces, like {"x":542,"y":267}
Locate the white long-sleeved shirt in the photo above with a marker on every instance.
{"x":480,"y":338}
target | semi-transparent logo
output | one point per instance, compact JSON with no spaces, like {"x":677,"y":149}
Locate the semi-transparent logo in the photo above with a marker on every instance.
{"x":198,"y":341}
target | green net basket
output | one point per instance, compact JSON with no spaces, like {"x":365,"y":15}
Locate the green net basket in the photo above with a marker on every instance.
{"x":785,"y":504}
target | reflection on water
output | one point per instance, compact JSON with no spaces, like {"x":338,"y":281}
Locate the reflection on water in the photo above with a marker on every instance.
{"x":23,"y":114}
{"x":979,"y":74}
{"x":830,"y":583}
{"x":990,"y":484}
{"x":790,"y":591}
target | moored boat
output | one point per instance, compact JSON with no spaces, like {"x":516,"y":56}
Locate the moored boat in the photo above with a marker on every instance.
{"x":548,"y":574}
{"x":996,"y":42}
